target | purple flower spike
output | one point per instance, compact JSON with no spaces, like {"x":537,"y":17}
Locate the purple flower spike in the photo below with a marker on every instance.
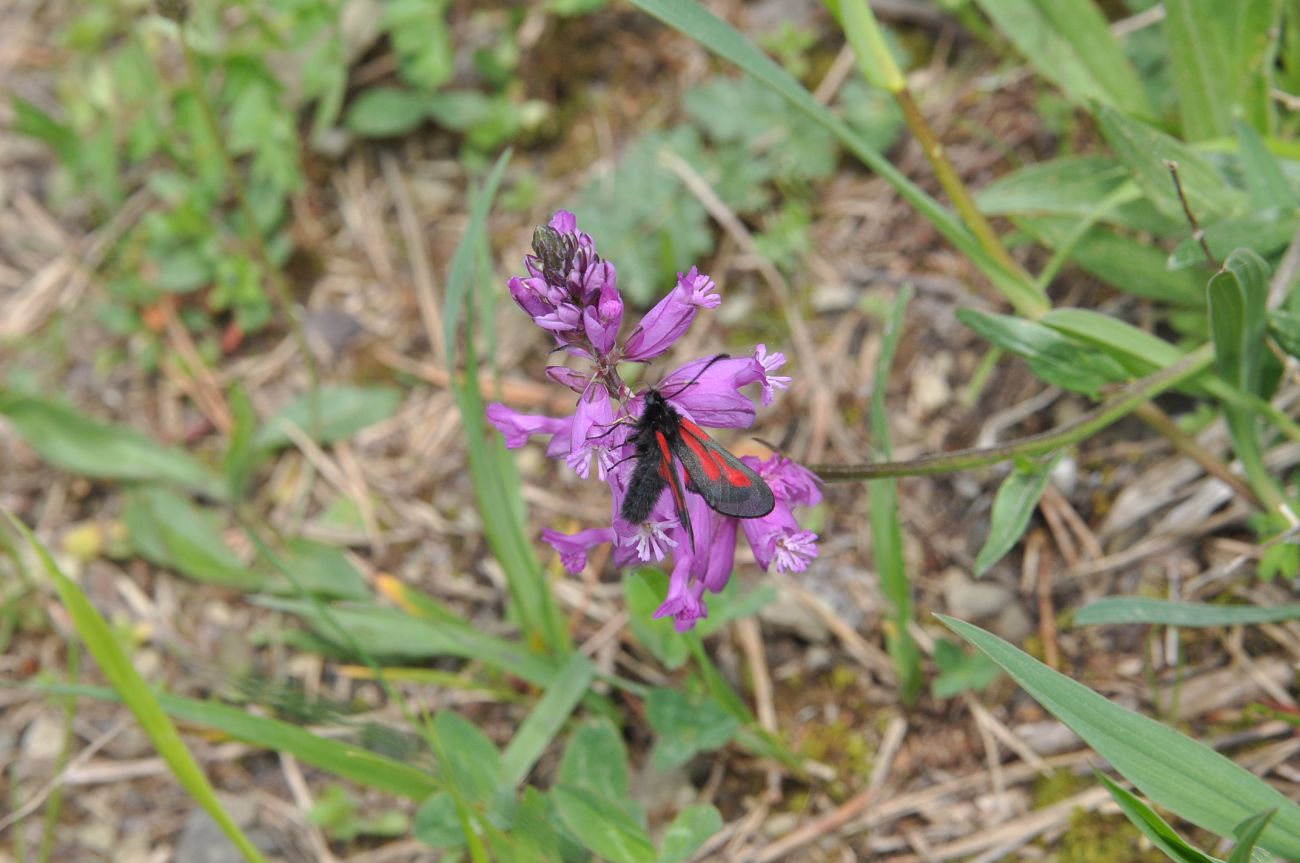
{"x":573,"y":294}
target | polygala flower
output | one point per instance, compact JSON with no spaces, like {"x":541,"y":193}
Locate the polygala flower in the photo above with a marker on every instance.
{"x":572,"y":293}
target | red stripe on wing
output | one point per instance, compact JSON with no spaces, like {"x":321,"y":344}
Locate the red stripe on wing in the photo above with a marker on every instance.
{"x":715,"y":467}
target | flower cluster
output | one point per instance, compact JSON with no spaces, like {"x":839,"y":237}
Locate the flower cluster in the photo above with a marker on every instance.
{"x":573,"y":294}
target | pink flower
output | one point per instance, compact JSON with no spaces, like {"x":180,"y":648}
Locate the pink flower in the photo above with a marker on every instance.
{"x":573,"y":294}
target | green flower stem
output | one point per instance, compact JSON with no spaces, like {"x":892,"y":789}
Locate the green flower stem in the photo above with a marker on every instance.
{"x":1106,"y":413}
{"x":867,"y":40}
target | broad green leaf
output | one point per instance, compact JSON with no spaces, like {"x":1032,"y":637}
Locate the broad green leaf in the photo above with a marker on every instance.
{"x":595,"y":758}
{"x":166,"y":529}
{"x":341,"y":759}
{"x":1247,"y":833}
{"x":1263,"y":232}
{"x":533,"y":827}
{"x":1265,"y":183}
{"x":1055,"y":358}
{"x":644,"y":590}
{"x":318,"y":568}
{"x":1145,"y":151}
{"x":686,"y":726}
{"x":135,"y":693}
{"x":690,"y":829}
{"x":1138,"y":351}
{"x":387,"y":632}
{"x":1069,"y":42}
{"x":1220,"y":55}
{"x":1142,"y":609}
{"x":340,"y":411}
{"x":694,"y":20}
{"x":387,"y":112}
{"x":71,"y":441}
{"x":600,"y":825}
{"x":437,"y":823}
{"x":1181,"y":774}
{"x":1285,"y":327}
{"x":1014,"y":504}
{"x":1153,"y":826}
{"x":1137,"y":268}
{"x":1074,"y":186}
{"x":960,"y":672}
{"x":469,"y":757}
{"x":543,"y":724}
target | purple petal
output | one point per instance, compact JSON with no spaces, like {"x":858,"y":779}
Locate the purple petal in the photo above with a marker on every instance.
{"x":603,"y":318}
{"x":770,"y":363}
{"x":571,"y":378}
{"x":671,"y":316}
{"x":574,"y":547}
{"x":777,"y":538}
{"x":721,"y":557}
{"x":517,"y":428}
{"x":790,"y":481}
{"x":683,"y":603}
{"x":594,"y":418}
{"x":706,"y":390}
{"x":564,"y":222}
{"x":530,"y":294}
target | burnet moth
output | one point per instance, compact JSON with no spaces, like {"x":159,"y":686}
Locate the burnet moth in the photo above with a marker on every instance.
{"x":663,"y":439}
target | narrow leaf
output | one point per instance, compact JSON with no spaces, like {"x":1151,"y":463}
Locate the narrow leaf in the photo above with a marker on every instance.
{"x":337,"y":411}
{"x":550,"y":714}
{"x":1248,"y":833}
{"x":1220,"y":54}
{"x":1181,"y":774}
{"x":135,"y":693}
{"x":1146,"y":151}
{"x":1142,"y":609}
{"x":343,"y":760}
{"x":1265,"y":182}
{"x":1069,"y":42}
{"x":71,"y":441}
{"x":1017,"y":497}
{"x":1054,"y":357}
{"x":169,"y":531}
{"x":1153,"y":826}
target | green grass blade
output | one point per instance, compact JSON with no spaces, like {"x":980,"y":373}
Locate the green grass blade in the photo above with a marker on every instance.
{"x":1153,"y":826}
{"x":1070,"y":44}
{"x":1138,"y":350}
{"x":886,"y":528}
{"x":1248,"y":833}
{"x":492,"y":468}
{"x":1181,"y":774}
{"x":343,"y":760}
{"x":698,"y":23}
{"x":387,"y":632}
{"x":550,"y":714}
{"x":1143,"y":609}
{"x":117,"y":667}
{"x":1220,"y":54}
